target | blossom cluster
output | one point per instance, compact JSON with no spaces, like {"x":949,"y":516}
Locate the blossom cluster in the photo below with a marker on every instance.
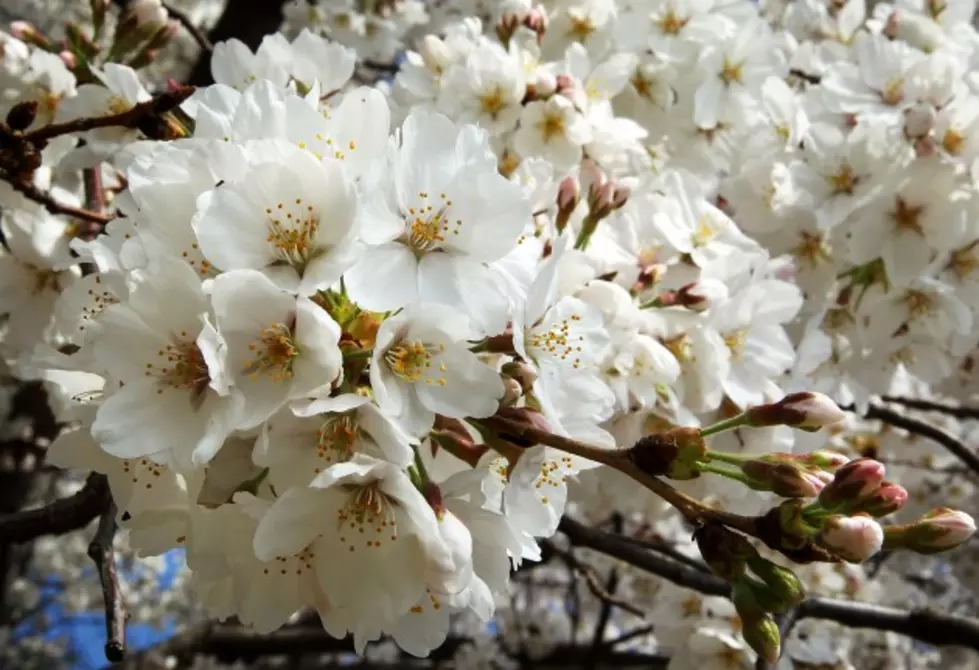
{"x":302,"y":346}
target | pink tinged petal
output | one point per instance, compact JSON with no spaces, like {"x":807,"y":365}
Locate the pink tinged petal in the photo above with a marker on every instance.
{"x":293,"y":522}
{"x":385,"y":278}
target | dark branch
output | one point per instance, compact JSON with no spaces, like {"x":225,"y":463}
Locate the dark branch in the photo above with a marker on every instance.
{"x":60,"y":517}
{"x":131,"y":118}
{"x":924,"y":429}
{"x":922,"y":624}
{"x":31,"y":192}
{"x":102,"y":553}
{"x":199,"y":35}
{"x":956,"y":411}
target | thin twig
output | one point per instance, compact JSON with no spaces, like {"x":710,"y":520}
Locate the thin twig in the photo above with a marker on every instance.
{"x":60,"y":517}
{"x":196,"y":32}
{"x":922,"y":624}
{"x":102,"y":553}
{"x":594,"y":581}
{"x":31,"y":192}
{"x":641,"y":631}
{"x":161,"y":104}
{"x":696,"y":512}
{"x":956,"y":411}
{"x":924,"y":429}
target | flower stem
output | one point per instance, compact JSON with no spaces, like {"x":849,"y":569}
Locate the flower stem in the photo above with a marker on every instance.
{"x":725,"y":457}
{"x":725,"y":425}
{"x":724,"y":471}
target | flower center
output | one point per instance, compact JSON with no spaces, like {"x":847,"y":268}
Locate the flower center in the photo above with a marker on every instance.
{"x":811,"y":248}
{"x":731,"y":72}
{"x":680,"y":346}
{"x":735,"y":342}
{"x":559,"y":341}
{"x":671,"y":24}
{"x":964,"y":261}
{"x":428,"y":225}
{"x":843,"y":181}
{"x":581,"y":27}
{"x":182,"y":367}
{"x":117,"y":105}
{"x":551,"y":126}
{"x":274,"y":353}
{"x":367,"y":516}
{"x":918,"y":303}
{"x":492,"y":103}
{"x":336,"y":438}
{"x":906,"y":217}
{"x":292,"y":232}
{"x":411,"y":361}
{"x":893,"y":92}
{"x":953,"y":141}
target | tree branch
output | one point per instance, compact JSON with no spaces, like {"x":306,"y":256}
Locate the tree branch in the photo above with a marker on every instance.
{"x":956,"y":411}
{"x":924,"y":429}
{"x":60,"y":517}
{"x":922,"y":624}
{"x":102,"y":553}
{"x":199,"y":35}
{"x":31,"y":192}
{"x":131,"y":118}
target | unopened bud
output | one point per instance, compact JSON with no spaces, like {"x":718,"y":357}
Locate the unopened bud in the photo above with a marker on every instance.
{"x":806,"y":410}
{"x":781,"y":582}
{"x":852,"y":483}
{"x":164,"y":35}
{"x":852,"y":538}
{"x":919,"y":119}
{"x":69,"y":59}
{"x":564,"y":85}
{"x":783,"y":479}
{"x":147,"y":15}
{"x":701,"y":294}
{"x":824,"y":459}
{"x":762,"y":634}
{"x":672,"y":454}
{"x":536,"y":20}
{"x":434,"y":53}
{"x":506,"y":26}
{"x":524,"y":374}
{"x":567,"y":201}
{"x":521,"y":415}
{"x":726,"y":553}
{"x":26,"y":32}
{"x":887,"y":499}
{"x":451,"y":435}
{"x":433,"y":496}
{"x":22,"y":115}
{"x":511,"y":392}
{"x":939,"y":530}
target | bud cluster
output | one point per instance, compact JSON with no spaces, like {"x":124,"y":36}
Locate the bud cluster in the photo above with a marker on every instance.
{"x":759,"y":587}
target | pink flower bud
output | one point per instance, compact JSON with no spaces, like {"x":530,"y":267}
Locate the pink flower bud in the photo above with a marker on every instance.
{"x":23,"y":30}
{"x":701,"y":294}
{"x":853,"y":538}
{"x":805,"y":410}
{"x":853,"y":482}
{"x":889,"y":498}
{"x":147,"y":13}
{"x":68,"y":58}
{"x":567,"y":193}
{"x":784,"y":479}
{"x":939,"y":530}
{"x":825,"y":459}
{"x":919,"y":119}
